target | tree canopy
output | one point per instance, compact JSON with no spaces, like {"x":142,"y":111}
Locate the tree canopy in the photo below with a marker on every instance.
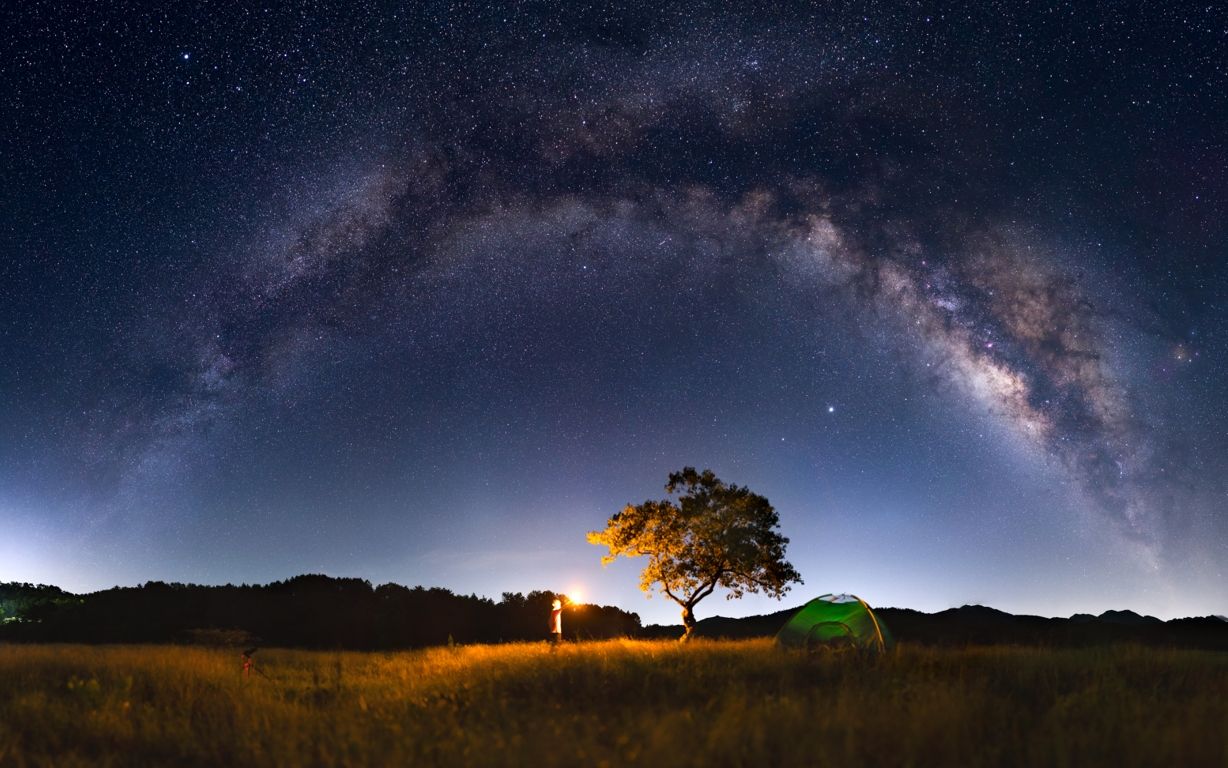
{"x":706,"y":535}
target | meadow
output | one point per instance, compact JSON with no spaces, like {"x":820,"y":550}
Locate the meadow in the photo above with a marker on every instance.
{"x":710,"y":703}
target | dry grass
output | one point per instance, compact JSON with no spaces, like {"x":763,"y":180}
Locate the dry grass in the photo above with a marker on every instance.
{"x":613,"y":703}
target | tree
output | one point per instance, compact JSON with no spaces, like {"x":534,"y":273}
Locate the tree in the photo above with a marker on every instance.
{"x":710,"y":535}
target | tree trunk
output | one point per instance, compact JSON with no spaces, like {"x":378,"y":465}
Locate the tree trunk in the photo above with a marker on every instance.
{"x":688,"y":623}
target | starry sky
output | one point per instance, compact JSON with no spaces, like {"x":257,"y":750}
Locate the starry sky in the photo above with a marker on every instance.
{"x":422,"y":292}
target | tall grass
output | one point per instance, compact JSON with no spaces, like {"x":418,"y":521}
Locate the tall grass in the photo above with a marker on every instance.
{"x":613,"y":703}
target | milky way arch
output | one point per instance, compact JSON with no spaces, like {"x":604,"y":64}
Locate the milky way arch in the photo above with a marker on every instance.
{"x":836,"y":181}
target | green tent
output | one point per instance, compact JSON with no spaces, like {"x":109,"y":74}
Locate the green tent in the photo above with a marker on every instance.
{"x":835,"y":621}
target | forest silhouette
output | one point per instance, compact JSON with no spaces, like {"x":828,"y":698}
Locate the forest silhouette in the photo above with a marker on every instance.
{"x":308,"y":611}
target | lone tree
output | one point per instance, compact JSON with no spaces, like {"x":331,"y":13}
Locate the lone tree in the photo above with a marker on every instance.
{"x":710,"y":535}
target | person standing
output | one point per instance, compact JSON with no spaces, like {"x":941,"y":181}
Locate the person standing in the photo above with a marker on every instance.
{"x":556,"y":622}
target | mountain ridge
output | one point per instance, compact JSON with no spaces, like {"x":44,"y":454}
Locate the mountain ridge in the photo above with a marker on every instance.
{"x":979,"y":624}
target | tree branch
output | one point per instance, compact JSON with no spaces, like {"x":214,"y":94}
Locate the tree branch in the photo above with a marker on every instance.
{"x":755,"y":580}
{"x":707,"y":588}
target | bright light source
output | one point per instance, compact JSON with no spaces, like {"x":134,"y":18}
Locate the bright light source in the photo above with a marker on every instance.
{"x":575,"y":596}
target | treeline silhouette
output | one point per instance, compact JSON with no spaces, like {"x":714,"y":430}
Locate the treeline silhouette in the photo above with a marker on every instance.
{"x":20,"y":601}
{"x":309,"y":611}
{"x":315,"y":611}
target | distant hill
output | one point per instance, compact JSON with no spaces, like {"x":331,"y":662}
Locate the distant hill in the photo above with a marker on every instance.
{"x":1129,"y":618}
{"x":981,"y":625}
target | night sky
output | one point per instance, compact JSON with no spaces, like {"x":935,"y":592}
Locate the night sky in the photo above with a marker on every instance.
{"x":423,"y":292}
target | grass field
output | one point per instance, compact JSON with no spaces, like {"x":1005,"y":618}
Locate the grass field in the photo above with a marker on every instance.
{"x":613,"y":703}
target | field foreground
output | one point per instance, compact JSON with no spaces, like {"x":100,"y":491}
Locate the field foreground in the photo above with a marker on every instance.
{"x":613,"y":703}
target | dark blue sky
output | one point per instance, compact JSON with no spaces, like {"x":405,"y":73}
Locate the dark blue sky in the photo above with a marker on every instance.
{"x":424,"y":292}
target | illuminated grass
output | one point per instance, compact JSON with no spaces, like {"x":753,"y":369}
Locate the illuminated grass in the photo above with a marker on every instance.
{"x":616,"y":703}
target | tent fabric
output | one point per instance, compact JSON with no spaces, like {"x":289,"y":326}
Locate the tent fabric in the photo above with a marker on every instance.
{"x":834,"y":621}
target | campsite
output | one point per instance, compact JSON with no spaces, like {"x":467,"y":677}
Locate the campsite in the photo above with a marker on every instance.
{"x":830,"y":682}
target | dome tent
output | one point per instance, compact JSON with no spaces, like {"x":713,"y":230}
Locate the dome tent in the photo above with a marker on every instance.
{"x":833,"y":621}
